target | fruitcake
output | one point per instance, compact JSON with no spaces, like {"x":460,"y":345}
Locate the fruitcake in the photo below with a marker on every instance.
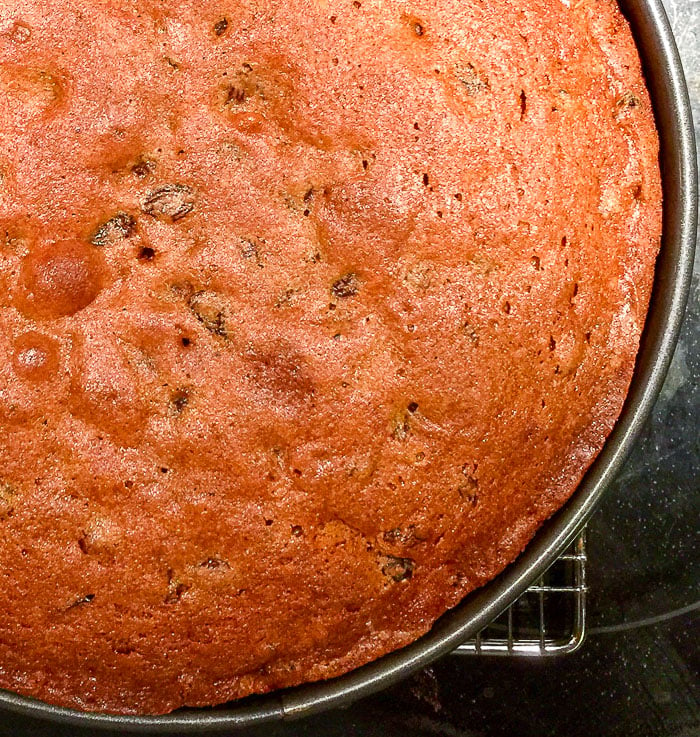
{"x":311,"y":312}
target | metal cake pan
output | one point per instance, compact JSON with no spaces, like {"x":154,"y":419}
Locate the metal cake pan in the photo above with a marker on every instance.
{"x":669,"y":94}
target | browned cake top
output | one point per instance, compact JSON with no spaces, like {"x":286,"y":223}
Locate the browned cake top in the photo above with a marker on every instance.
{"x":310,"y":313}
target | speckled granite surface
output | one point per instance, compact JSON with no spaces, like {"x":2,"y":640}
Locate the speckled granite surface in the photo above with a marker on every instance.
{"x":636,"y":675}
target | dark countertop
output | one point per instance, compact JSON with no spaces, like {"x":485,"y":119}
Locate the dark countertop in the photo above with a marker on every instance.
{"x":636,"y":674}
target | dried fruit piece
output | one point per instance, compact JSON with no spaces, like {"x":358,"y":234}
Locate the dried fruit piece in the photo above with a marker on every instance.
{"x":401,"y":425}
{"x":398,"y":569}
{"x":213,"y":563}
{"x":629,"y":99}
{"x":121,"y":226}
{"x":171,"y":202}
{"x":180,"y":399}
{"x":473,"y":82}
{"x":403,"y":537}
{"x":207,"y":308}
{"x":87,"y":599}
{"x":286,"y":297}
{"x":235,"y":95}
{"x":176,"y":589}
{"x":143,"y":168}
{"x":346,"y":286}
{"x":249,"y":249}
{"x":469,"y":489}
{"x":8,"y":496}
{"x":221,"y":26}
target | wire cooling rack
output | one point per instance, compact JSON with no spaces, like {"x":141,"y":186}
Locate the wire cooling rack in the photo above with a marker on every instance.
{"x":548,"y":619}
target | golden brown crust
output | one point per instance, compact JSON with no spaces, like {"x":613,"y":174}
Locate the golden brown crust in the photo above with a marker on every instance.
{"x":311,"y":313}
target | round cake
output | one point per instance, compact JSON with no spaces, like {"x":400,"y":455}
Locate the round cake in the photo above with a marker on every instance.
{"x":311,"y":312}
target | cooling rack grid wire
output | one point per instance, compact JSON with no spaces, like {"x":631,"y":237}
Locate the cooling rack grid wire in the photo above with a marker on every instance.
{"x":548,"y":619}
